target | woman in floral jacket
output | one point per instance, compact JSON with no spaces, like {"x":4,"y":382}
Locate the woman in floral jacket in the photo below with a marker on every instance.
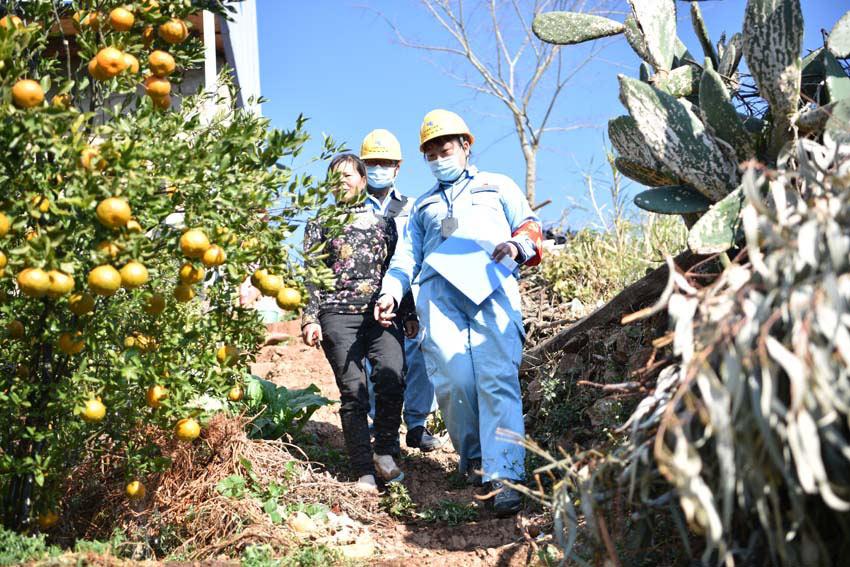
{"x":341,"y":320}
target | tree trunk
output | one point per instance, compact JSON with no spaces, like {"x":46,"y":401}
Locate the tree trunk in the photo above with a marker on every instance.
{"x":530,"y":153}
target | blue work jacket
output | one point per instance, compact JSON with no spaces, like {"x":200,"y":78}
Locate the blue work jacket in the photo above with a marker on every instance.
{"x":476,"y":197}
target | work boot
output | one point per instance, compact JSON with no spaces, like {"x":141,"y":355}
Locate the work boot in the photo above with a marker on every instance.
{"x":507,"y":501}
{"x":366,"y":483}
{"x":473,"y":472}
{"x":387,"y":469}
{"x":420,"y":438}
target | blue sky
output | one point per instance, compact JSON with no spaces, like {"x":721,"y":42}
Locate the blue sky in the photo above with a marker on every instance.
{"x":339,"y":63}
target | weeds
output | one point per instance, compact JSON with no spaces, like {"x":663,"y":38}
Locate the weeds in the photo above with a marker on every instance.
{"x":397,"y":502}
{"x":452,"y":513}
{"x":308,"y":556}
{"x":16,"y":548}
{"x":238,"y":486}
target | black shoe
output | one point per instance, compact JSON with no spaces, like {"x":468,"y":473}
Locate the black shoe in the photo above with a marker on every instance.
{"x":473,"y":472}
{"x":507,"y":501}
{"x":420,"y":438}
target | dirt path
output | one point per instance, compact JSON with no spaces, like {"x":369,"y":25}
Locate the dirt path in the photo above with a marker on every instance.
{"x":428,"y":477}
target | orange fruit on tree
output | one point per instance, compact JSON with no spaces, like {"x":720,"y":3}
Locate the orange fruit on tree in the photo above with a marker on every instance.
{"x":257,"y":276}
{"x":3,"y":262}
{"x":27,"y":93}
{"x":15,"y":328}
{"x":111,"y":61}
{"x":33,"y":282}
{"x":189,"y":274}
{"x":121,"y":19}
{"x":155,"y":395}
{"x":113,"y":212}
{"x":214,"y":256}
{"x":288,"y":298}
{"x":148,"y":35}
{"x":183,"y":293}
{"x":162,"y":103}
{"x":235,"y":394}
{"x":134,"y":274}
{"x":90,"y":20}
{"x":93,"y":410}
{"x":131,"y":64}
{"x":71,"y":343}
{"x":96,"y":71}
{"x":194,"y":242}
{"x":157,"y":87}
{"x":108,"y":248}
{"x":60,"y":283}
{"x":187,"y":429}
{"x":5,"y":225}
{"x":10,"y":22}
{"x":173,"y":31}
{"x":227,"y":355}
{"x":135,"y":490}
{"x":270,"y":285}
{"x":90,"y":158}
{"x":41,"y":203}
{"x":104,"y":280}
{"x":161,"y":63}
{"x":47,"y":520}
{"x":154,"y":305}
{"x":81,"y":303}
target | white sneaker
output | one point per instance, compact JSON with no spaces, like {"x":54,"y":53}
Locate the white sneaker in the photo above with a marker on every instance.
{"x":387,"y":469}
{"x":366,"y":483}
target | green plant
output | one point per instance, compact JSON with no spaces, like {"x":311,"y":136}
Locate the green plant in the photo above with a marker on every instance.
{"x":452,"y":513}
{"x":397,"y":502}
{"x":268,"y":494}
{"x":692,"y":121}
{"x":16,"y":549}
{"x":282,"y":411}
{"x":104,"y":177}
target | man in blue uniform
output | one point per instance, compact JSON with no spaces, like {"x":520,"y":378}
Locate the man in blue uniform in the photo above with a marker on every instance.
{"x":381,"y":152}
{"x":472,"y":352}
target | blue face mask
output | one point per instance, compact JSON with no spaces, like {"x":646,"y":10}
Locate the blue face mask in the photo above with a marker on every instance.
{"x":380,"y":177}
{"x":446,"y":169}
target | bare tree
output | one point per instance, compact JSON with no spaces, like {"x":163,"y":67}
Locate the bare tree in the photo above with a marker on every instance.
{"x":494,"y":37}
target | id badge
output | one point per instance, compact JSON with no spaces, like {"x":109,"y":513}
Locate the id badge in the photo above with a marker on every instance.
{"x":447,"y":226}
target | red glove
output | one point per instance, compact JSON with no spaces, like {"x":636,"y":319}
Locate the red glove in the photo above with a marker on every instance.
{"x":532,"y":230}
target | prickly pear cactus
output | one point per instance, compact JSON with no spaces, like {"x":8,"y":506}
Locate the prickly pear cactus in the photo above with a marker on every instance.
{"x":684,"y":126}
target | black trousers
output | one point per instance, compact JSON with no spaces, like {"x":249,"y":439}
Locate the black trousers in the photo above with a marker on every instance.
{"x":348,"y":339}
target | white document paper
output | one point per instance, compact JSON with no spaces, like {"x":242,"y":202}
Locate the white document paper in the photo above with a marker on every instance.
{"x":466,"y":263}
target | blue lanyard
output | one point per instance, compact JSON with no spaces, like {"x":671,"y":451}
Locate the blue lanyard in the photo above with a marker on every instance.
{"x":450,"y":203}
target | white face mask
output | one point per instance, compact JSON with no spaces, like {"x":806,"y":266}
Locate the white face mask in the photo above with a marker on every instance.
{"x":380,"y":177}
{"x":447,"y":169}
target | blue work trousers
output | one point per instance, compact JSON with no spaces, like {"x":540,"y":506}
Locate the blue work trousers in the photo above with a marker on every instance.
{"x":473,"y":353}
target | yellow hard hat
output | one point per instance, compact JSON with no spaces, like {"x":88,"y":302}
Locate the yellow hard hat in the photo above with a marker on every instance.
{"x":380,"y":144}
{"x":441,"y":122}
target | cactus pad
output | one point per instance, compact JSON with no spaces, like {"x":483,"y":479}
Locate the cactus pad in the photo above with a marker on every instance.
{"x":718,"y":112}
{"x":678,"y":139}
{"x":657,"y":22}
{"x":568,"y":28}
{"x":837,"y":81}
{"x":839,"y":38}
{"x":681,"y":81}
{"x":644,"y":175}
{"x":717,"y":230}
{"x":672,"y":200}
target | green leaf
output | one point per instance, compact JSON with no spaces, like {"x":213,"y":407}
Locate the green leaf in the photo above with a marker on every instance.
{"x":678,"y":139}
{"x":656,"y":20}
{"x":569,"y":28}
{"x":672,"y":200}
{"x":232,"y":487}
{"x":717,"y":230}
{"x":839,"y":38}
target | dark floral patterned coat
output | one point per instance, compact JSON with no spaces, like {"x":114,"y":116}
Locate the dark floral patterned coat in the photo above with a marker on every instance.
{"x":358,"y":257}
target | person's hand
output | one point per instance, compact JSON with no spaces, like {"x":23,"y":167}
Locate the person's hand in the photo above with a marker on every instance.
{"x":311,"y":334}
{"x":508,"y":249}
{"x":384,"y":310}
{"x":411,"y":328}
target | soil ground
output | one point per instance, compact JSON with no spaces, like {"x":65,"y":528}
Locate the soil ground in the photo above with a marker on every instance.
{"x":428,"y":478}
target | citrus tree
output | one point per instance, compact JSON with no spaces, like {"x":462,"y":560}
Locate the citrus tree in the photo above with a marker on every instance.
{"x":126,"y":227}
